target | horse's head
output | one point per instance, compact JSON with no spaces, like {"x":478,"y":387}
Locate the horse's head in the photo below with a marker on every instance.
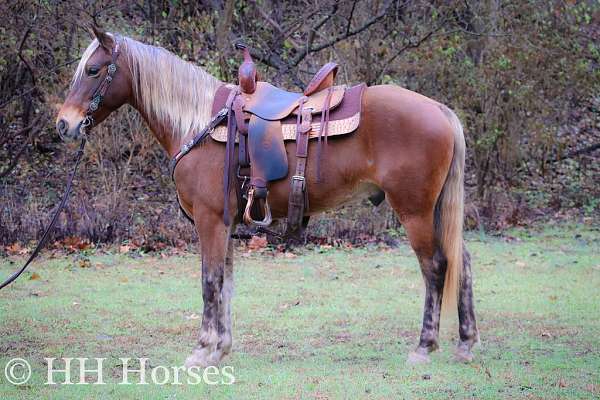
{"x":97,"y":88}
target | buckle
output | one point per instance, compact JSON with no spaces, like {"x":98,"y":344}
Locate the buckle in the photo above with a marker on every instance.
{"x":299,"y":178}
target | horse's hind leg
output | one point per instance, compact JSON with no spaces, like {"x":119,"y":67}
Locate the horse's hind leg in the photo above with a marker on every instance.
{"x":420,"y":231}
{"x":469,"y":335}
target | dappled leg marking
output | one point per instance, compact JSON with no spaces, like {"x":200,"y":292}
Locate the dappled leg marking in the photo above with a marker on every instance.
{"x":225,"y":309}
{"x":433,"y":271}
{"x":217,"y":284}
{"x":469,"y":335}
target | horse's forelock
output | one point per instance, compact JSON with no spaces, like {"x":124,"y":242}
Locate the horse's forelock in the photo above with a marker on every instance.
{"x":84,"y":59}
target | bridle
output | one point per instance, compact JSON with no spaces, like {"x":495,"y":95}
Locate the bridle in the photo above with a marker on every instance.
{"x":86,"y":124}
{"x":100,"y":92}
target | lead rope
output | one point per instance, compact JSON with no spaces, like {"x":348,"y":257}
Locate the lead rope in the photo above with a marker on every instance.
{"x":87,"y":123}
{"x":61,"y":206}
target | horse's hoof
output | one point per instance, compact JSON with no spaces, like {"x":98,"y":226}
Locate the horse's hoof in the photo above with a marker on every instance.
{"x":463,"y":355}
{"x":417,"y":358}
{"x":202,"y":357}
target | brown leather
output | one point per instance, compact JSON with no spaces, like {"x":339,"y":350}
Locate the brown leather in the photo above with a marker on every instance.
{"x":343,"y":119}
{"x":270,"y":102}
{"x":268,"y":159}
{"x":229,"y":155}
{"x":350,"y":104}
{"x":261,"y":142}
{"x":316,"y":102}
{"x":247,"y":75}
{"x":298,"y":201}
{"x":323,"y":79}
{"x":238,"y":106}
{"x":243,"y":158}
{"x":323,"y":131}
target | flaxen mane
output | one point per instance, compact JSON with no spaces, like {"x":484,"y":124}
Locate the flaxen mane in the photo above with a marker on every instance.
{"x":174,"y":91}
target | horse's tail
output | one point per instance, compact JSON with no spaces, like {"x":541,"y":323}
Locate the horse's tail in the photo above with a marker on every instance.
{"x":449,"y":216}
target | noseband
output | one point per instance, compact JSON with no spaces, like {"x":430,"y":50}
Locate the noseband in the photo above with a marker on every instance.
{"x":87,"y":123}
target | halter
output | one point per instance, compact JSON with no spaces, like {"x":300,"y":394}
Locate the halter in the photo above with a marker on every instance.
{"x":88,"y":121}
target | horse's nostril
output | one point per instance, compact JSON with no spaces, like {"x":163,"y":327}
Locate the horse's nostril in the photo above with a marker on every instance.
{"x":62,"y":126}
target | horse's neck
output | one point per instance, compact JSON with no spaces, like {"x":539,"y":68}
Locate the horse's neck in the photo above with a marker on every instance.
{"x":164,"y":132}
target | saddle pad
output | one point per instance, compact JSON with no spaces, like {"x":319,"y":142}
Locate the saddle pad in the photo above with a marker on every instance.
{"x":343,"y":119}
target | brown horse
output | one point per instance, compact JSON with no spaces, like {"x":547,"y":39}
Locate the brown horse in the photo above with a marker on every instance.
{"x":407,"y":145}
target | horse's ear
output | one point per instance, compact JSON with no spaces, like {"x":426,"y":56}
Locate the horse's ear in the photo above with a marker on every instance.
{"x":104,"y":38}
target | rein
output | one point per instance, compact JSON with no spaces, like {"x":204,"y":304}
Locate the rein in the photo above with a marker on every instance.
{"x":62,"y":204}
{"x":86,"y":124}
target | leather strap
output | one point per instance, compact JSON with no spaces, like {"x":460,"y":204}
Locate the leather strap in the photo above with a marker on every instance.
{"x":243,"y":159}
{"x":198,"y":138}
{"x":229,"y":154}
{"x":238,"y":105}
{"x":298,"y":202}
{"x":86,"y":124}
{"x":323,"y":131}
{"x":61,"y":206}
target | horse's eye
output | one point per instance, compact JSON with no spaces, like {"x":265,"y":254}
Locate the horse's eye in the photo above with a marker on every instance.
{"x":93,"y":71}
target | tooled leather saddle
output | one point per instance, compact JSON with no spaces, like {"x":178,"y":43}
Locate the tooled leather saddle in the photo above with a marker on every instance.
{"x":260,"y":118}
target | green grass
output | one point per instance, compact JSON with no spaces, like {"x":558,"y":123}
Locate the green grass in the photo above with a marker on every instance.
{"x":327,"y":324}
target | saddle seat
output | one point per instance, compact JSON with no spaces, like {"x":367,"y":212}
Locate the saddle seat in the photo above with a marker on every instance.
{"x":260,"y":117}
{"x":272,"y":103}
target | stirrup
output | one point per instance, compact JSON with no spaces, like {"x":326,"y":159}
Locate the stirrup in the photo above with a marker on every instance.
{"x":248,"y":218}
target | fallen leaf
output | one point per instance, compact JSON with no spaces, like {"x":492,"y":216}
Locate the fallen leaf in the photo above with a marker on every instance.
{"x":257,"y":243}
{"x":75,"y":243}
{"x":35,"y":276}
{"x":16,"y":249}
{"x":85,"y":263}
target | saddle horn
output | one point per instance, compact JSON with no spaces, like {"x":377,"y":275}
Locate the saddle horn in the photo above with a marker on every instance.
{"x":247,"y":75}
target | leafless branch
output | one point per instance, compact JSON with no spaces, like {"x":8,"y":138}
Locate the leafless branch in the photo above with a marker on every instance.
{"x":275,"y":25}
{"x":33,"y":129}
{"x":575,"y":153}
{"x":410,"y":45}
{"x":312,"y":49}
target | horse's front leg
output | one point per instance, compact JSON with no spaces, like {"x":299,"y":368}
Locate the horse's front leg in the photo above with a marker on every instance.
{"x":217,"y":288}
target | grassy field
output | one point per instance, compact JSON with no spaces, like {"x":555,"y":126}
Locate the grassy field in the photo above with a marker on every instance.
{"x":321,"y":324}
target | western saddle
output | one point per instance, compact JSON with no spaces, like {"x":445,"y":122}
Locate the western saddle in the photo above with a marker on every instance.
{"x":260,"y":117}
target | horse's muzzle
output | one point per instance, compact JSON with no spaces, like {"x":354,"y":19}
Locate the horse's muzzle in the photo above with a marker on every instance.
{"x":66,"y":132}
